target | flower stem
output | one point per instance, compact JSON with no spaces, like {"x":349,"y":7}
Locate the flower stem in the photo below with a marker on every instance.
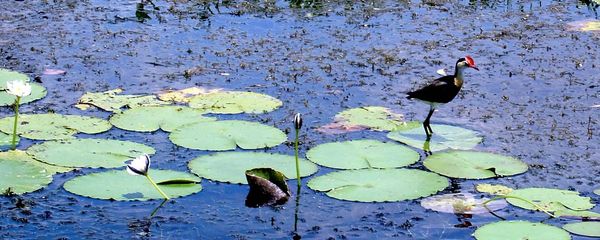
{"x":14,"y":136}
{"x":297,"y":161}
{"x":157,"y":188}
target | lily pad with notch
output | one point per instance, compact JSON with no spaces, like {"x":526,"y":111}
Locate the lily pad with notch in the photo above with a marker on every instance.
{"x":113,"y":101}
{"x":359,"y":154}
{"x":519,"y":230}
{"x":22,"y":177}
{"x":149,"y":119}
{"x":227,"y":135}
{"x":52,"y":126}
{"x":588,"y":229}
{"x":110,"y":185}
{"x":473,"y":165}
{"x":549,"y":199}
{"x":267,"y":187}
{"x":88,"y":152}
{"x":232,"y":102}
{"x":379,"y":185}
{"x":462,"y":203}
{"x":444,"y":137}
{"x":231,"y":166}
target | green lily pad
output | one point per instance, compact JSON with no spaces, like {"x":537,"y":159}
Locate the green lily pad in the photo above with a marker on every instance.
{"x":88,"y":152}
{"x":473,"y":165}
{"x":371,"y":117}
{"x":588,"y":229}
{"x":112,"y":101}
{"x":37,"y":92}
{"x":462,"y":203}
{"x":231,"y":166}
{"x":121,"y":186}
{"x":227,"y":135}
{"x":444,"y":137}
{"x":6,"y":139}
{"x":18,"y":155}
{"x":52,"y":126}
{"x":22,"y":177}
{"x":519,"y":230}
{"x":232,"y":102}
{"x":550,"y":199}
{"x":597,"y":191}
{"x":149,"y":119}
{"x":568,"y":213}
{"x":379,"y":185}
{"x":359,"y":154}
{"x":8,"y":75}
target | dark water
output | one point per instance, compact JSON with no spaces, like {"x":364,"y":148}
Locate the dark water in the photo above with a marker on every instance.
{"x":531,"y":100}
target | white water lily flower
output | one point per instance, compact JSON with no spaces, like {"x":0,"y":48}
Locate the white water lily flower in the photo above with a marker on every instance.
{"x":139,"y":165}
{"x":18,"y":88}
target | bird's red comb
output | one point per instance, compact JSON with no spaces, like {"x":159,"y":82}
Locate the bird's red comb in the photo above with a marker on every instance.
{"x":470,"y":60}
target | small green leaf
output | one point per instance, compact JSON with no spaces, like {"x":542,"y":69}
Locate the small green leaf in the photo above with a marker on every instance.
{"x":444,"y":137}
{"x":359,"y":154}
{"x":588,"y":229}
{"x":379,"y":185}
{"x":232,"y":102}
{"x":520,"y":230}
{"x":473,"y":165}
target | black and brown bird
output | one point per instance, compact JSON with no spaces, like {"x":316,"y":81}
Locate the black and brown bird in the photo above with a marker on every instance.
{"x":442,"y":90}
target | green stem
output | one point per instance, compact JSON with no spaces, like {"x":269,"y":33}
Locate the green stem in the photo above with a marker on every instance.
{"x":157,"y":188}
{"x":538,"y":207}
{"x":14,"y":136}
{"x":297,"y":161}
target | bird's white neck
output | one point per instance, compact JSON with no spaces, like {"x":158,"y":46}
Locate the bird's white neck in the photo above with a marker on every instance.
{"x":458,"y":76}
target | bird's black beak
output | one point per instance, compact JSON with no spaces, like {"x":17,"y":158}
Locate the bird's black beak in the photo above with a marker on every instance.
{"x":474,"y":67}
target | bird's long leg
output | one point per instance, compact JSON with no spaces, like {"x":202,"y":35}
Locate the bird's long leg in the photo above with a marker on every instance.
{"x":426,"y":125}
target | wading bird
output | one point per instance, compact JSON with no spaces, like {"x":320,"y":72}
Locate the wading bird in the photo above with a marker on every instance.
{"x":442,"y":90}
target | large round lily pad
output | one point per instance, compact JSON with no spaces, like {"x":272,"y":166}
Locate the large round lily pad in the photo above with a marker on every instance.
{"x":22,"y":177}
{"x":519,"y":230}
{"x":149,"y":119}
{"x":8,"y":75}
{"x":231,"y":166}
{"x":53,"y":126}
{"x":227,"y":135}
{"x":589,"y":229}
{"x":473,"y":165}
{"x":231,"y":102}
{"x":549,"y":199}
{"x":444,"y":137}
{"x":88,"y":152}
{"x":22,"y":156}
{"x":121,"y":186}
{"x":37,"y":92}
{"x":462,"y":203}
{"x":379,"y":185}
{"x":362,"y":154}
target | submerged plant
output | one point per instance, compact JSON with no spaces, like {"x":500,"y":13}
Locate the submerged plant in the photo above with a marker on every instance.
{"x":297,"y":126}
{"x":19,"y":89}
{"x":140,"y":166}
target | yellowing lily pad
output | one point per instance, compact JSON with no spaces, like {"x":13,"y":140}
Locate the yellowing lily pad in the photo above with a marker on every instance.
{"x":18,"y":155}
{"x":371,"y":117}
{"x":520,"y":230}
{"x":22,"y":177}
{"x":359,"y":154}
{"x":473,"y":165}
{"x":227,"y":135}
{"x":88,"y":152}
{"x":444,"y":137}
{"x":113,"y":101}
{"x":53,"y":126}
{"x":550,"y":199}
{"x":37,"y":92}
{"x":585,"y":25}
{"x":149,"y":119}
{"x":461,"y":203}
{"x":493,"y":189}
{"x":379,"y":185}
{"x":588,"y":229}
{"x":232,"y":102}
{"x":184,"y":95}
{"x":121,"y":186}
{"x":231,"y":166}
